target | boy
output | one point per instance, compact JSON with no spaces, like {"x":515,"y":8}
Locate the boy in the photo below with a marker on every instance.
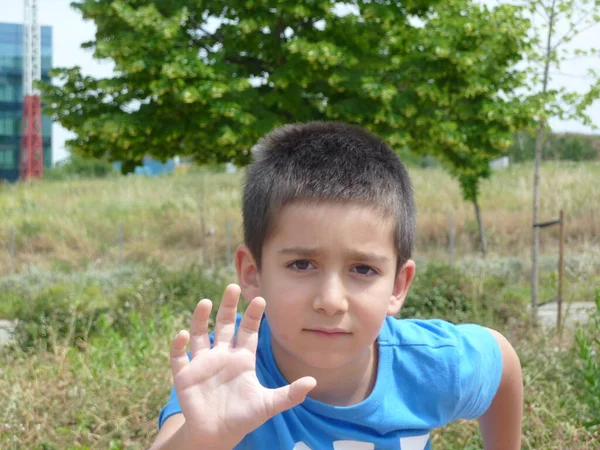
{"x":329,"y":222}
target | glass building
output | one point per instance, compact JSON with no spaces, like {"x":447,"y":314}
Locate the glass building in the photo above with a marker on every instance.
{"x":11,"y":98}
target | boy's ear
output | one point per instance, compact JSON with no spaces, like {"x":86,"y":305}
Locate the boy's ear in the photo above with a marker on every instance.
{"x":401,"y":286}
{"x":247,"y":271}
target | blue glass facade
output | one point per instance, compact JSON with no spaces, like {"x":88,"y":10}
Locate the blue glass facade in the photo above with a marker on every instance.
{"x":151,"y":167}
{"x":11,"y":98}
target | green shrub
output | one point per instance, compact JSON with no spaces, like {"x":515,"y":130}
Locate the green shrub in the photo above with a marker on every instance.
{"x":58,"y":314}
{"x":80,"y":167}
{"x":439,"y":291}
{"x":67,"y":309}
{"x":179,"y":291}
{"x":557,"y":147}
{"x":451,"y":293}
{"x":588,"y":346}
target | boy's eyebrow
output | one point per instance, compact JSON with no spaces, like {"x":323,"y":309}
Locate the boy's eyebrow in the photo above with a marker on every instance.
{"x":299,"y":251}
{"x":368,"y":256}
{"x":353,"y":254}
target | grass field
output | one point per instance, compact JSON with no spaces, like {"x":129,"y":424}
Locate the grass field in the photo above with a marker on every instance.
{"x":98,"y":381}
{"x":92,"y":372}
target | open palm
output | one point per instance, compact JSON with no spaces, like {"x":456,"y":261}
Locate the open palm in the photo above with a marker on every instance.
{"x":218,"y":390}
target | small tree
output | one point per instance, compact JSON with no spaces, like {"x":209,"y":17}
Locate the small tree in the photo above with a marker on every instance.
{"x":562,"y":21}
{"x":467,"y":114}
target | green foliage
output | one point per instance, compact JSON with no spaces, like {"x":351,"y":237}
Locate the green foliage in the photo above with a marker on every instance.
{"x":70,"y":313}
{"x":588,"y":345}
{"x":58,"y":315}
{"x":110,"y":388}
{"x":464,"y":295}
{"x":558,"y":147}
{"x":206,"y":79}
{"x":81,"y":167}
{"x":440,"y":291}
{"x":178,"y":291}
{"x":458,"y":114}
{"x":108,"y":391}
{"x":573,"y":149}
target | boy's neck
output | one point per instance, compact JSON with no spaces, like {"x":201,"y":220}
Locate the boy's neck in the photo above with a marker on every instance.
{"x":343,"y":386}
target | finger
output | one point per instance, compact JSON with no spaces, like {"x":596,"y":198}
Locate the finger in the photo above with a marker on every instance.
{"x":289,"y":396}
{"x":225,"y":323}
{"x":247,"y":335}
{"x":179,"y":358}
{"x":199,"y":340}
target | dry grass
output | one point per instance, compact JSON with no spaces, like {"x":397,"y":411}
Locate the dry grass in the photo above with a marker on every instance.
{"x":163,"y":218}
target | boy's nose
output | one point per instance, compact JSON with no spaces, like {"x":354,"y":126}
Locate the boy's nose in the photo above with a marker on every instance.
{"x":331,"y":298}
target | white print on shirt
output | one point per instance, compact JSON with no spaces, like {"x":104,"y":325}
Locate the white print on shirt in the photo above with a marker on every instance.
{"x":353,"y":445}
{"x":301,"y":446}
{"x":414,"y":442}
{"x":406,"y":443}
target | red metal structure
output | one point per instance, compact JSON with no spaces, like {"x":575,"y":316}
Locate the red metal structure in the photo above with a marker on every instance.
{"x":32,"y":152}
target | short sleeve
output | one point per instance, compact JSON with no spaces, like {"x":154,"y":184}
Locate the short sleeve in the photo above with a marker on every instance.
{"x":172,"y":407}
{"x":480,"y":371}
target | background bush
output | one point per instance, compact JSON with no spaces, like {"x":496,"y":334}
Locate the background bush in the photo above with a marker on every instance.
{"x":80,"y":167}
{"x":69,"y":311}
{"x":588,"y":349}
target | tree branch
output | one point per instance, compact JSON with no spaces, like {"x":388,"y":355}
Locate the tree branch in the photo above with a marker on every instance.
{"x":544,"y":10}
{"x":572,"y":32}
{"x":246,"y":61}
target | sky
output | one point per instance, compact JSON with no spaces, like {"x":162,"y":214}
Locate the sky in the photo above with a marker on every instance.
{"x":70,"y":31}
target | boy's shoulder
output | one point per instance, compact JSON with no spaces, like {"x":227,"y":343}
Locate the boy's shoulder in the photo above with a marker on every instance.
{"x":455,"y":369}
{"x":441,"y":344}
{"x":426,"y":332}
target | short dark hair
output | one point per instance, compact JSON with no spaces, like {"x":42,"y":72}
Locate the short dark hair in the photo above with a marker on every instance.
{"x":325,"y":161}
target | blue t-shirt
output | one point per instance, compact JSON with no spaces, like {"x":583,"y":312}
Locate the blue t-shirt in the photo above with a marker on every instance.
{"x":430,"y":373}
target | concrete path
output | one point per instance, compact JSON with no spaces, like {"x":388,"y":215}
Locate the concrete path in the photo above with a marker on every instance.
{"x":6,"y":329}
{"x":577,"y":312}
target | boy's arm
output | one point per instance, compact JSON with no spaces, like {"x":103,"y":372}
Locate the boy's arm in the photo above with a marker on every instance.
{"x":501,"y":423}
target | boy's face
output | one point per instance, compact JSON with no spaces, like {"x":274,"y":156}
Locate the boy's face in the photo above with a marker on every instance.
{"x":329,"y":279}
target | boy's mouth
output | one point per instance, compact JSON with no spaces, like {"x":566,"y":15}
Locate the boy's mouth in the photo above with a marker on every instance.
{"x":328,"y":332}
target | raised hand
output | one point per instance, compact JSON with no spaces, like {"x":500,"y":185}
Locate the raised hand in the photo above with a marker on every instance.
{"x":218,"y":391}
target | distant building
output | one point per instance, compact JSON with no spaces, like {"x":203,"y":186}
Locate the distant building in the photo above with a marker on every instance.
{"x":151,"y":166}
{"x":500,"y":163}
{"x":11,"y":98}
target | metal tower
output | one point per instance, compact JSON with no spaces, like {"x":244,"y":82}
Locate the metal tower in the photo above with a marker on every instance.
{"x":32,"y":151}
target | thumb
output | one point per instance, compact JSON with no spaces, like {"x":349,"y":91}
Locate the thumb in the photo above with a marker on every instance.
{"x":289,"y":396}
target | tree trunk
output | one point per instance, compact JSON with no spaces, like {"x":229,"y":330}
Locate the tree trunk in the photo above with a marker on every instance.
{"x":482,"y":238}
{"x":535,"y":243}
{"x":539,"y":146}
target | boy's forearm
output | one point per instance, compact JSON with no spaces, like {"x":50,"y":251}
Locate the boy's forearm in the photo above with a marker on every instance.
{"x":501,"y":424}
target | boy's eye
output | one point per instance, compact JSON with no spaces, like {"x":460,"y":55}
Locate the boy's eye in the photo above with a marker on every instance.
{"x":364,"y":270}
{"x":301,"y":265}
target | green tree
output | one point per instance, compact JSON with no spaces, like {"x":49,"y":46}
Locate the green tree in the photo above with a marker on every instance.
{"x":464,"y":106}
{"x":208,"y":78}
